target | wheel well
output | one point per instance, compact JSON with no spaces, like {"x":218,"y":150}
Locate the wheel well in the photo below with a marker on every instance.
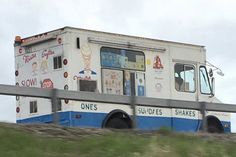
{"x":214,"y":121}
{"x":117,"y":114}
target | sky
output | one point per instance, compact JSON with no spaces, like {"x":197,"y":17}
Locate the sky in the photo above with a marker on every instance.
{"x":210,"y":23}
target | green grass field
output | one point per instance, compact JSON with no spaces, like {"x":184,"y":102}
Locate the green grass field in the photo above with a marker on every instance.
{"x":17,"y":142}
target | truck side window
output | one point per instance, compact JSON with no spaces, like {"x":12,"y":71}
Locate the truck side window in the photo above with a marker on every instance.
{"x":184,"y":78}
{"x":204,"y":81}
{"x":57,"y":63}
{"x":33,"y":107}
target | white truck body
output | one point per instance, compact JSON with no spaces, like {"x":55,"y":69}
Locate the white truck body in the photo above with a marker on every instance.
{"x":85,"y":60}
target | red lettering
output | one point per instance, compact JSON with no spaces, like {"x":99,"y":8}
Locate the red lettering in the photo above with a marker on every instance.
{"x":29,"y":82}
{"x":28,"y":58}
{"x":47,"y":53}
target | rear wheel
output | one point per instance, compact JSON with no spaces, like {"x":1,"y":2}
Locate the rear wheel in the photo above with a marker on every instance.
{"x":213,"y":129}
{"x":117,"y":123}
{"x":214,"y":126}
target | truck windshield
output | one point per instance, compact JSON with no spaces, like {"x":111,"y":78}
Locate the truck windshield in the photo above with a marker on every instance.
{"x":204,"y":81}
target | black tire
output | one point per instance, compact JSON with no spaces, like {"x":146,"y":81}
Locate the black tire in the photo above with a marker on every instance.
{"x":117,"y":123}
{"x":213,"y":129}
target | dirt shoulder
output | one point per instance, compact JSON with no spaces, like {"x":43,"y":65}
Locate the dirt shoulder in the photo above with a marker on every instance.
{"x":56,"y":131}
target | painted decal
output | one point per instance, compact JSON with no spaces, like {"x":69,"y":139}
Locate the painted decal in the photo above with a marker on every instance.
{"x":112,"y":81}
{"x":87,"y":55}
{"x":182,"y":112}
{"x":158,"y":87}
{"x":44,"y":66}
{"x":34,"y":68}
{"x":29,"y":82}
{"x":47,"y":83}
{"x":140,"y":84}
{"x":150,"y":111}
{"x":47,"y":53}
{"x":185,"y":113}
{"x":44,"y":63}
{"x":28,"y":58}
{"x":89,"y":106}
{"x":20,"y":50}
{"x":127,"y":83}
{"x":148,"y":61}
{"x":157,"y":63}
{"x":17,"y":109}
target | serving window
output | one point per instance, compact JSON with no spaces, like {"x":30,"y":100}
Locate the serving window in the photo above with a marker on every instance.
{"x":122,"y":58}
{"x":122,"y":71}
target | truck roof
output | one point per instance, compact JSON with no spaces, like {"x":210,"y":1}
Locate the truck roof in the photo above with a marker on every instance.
{"x":109,"y":33}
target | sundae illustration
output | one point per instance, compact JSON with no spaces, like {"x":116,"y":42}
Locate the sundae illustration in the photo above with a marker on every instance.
{"x":86,"y":54}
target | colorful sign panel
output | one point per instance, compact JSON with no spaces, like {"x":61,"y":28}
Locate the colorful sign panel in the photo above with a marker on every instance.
{"x":112,"y":81}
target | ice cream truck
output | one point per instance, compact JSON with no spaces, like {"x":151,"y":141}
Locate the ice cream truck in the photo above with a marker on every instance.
{"x":107,"y":63}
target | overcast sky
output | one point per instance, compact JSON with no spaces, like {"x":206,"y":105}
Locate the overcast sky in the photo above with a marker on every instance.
{"x":211,"y":23}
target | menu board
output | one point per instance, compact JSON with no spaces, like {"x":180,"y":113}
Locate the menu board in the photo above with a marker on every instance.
{"x":124,"y":59}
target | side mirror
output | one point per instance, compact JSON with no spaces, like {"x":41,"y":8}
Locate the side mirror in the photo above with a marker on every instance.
{"x":212,"y":86}
{"x":210,"y":72}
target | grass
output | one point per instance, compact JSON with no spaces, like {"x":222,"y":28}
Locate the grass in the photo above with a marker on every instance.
{"x":17,"y":143}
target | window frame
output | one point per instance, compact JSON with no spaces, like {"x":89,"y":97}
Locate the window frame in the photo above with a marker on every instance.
{"x":58,"y":67}
{"x":120,"y":68}
{"x":33,"y":105}
{"x":201,"y":66}
{"x":194,"y":68}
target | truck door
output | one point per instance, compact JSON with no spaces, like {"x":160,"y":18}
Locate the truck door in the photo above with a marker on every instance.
{"x":185,"y":88}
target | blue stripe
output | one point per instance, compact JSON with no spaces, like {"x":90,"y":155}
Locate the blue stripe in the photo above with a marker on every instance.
{"x":64,"y":119}
{"x":153,"y":123}
{"x":85,"y":119}
{"x":95,"y":120}
{"x":190,"y":125}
